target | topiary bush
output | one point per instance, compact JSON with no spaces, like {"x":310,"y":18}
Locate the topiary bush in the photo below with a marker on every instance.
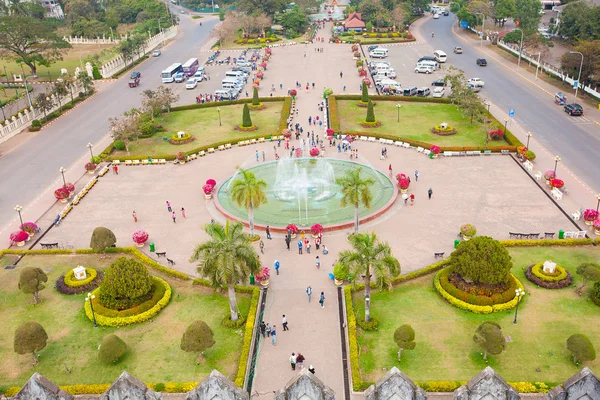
{"x":111,"y":349}
{"x":246,"y":120}
{"x":126,"y":284}
{"x":119,"y":145}
{"x":370,"y":112}
{"x":482,"y":260}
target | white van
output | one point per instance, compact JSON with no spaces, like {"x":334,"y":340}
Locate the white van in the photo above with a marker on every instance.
{"x":236,"y":74}
{"x":230,"y":85}
{"x":226,"y":94}
{"x":390,"y":83}
{"x":386,"y":73}
{"x":440,"y":56}
{"x":379,"y":53}
{"x":431,"y":64}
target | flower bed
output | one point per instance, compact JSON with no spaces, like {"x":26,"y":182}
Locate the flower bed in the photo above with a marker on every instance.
{"x":447,"y":131}
{"x":240,"y":128}
{"x":74,"y":286}
{"x":71,"y":281}
{"x":186,"y":138}
{"x":366,"y":124}
{"x":562,"y":279}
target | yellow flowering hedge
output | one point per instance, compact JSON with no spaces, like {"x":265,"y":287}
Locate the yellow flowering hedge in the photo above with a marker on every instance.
{"x":72,"y":282}
{"x":248,"y":332}
{"x":539,"y":272}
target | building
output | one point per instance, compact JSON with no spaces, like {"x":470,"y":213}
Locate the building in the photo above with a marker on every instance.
{"x":53,"y":8}
{"x":354,"y":23}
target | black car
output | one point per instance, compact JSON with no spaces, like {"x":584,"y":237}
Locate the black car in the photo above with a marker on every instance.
{"x":439,"y":82}
{"x":427,"y":58}
{"x":135,"y":75}
{"x":574,"y":109}
{"x":482,"y":62}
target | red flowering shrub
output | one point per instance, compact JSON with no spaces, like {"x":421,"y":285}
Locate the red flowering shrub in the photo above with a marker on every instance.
{"x":61,"y":193}
{"x":403,"y":182}
{"x":435,"y":149}
{"x":316,"y":229}
{"x":314,"y":152}
{"x":497,"y":134}
{"x":557,"y":183}
{"x":292,"y":228}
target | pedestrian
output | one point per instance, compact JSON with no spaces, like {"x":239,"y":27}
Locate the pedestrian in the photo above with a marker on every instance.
{"x":429,"y":193}
{"x":183,"y":212}
{"x":309,"y":292}
{"x":262,"y":247}
{"x":322,"y":300}
{"x":169,"y":206}
{"x":405,"y":199}
{"x":115,"y":169}
{"x":256,"y":155}
{"x":268,"y":330}
{"x":299,"y":246}
{"x":276,"y":265}
{"x":268,"y":233}
{"x":263,"y":155}
{"x":134,"y":214}
{"x":293,"y":361}
{"x":273,"y":335}
{"x":300,"y":360}
{"x":302,"y":235}
{"x":341,"y":74}
{"x":412,"y":199}
{"x":318,"y":261}
{"x":263,"y":329}
{"x":325,"y":251}
{"x":311,"y":369}
{"x":391,"y":171}
{"x":285,"y":323}
{"x":287,"y":242}
{"x":344,"y":88}
{"x":281,"y":86}
{"x":174,"y":216}
{"x":318,"y":242}
{"x":416,"y":176}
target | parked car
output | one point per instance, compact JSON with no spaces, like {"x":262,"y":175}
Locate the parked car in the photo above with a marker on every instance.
{"x":156,"y":53}
{"x":423,"y":69}
{"x":179,"y":77}
{"x":476,"y":82}
{"x":458,"y":50}
{"x":191,"y":83}
{"x":371,"y":48}
{"x":439,"y":82}
{"x":482,"y":62}
{"x":446,"y":13}
{"x":135,"y":75}
{"x":574,"y":109}
{"x":438,"y":92}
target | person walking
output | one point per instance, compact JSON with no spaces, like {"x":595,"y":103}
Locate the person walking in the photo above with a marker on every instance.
{"x":300,"y":360}
{"x":183,"y":212}
{"x":341,"y":75}
{"x":169,"y":206}
{"x":268,"y":233}
{"x":263,"y":329}
{"x":412,"y":199}
{"x":115,"y":169}
{"x":308,"y":245}
{"x":293,"y":361}
{"x":276,"y":265}
{"x":391,"y":171}
{"x":285,"y":323}
{"x":174,"y":216}
{"x":134,"y":214}
{"x":322,"y":300}
{"x":263,"y":155}
{"x":318,"y":262}
{"x":287,"y":242}
{"x":302,"y":235}
{"x":268,"y":329}
{"x":273,"y":335}
{"x":299,"y":246}
{"x":309,"y":292}
{"x":416,"y":175}
{"x":256,"y":155}
{"x":262,"y":247}
{"x":318,"y":242}
{"x":429,"y":193}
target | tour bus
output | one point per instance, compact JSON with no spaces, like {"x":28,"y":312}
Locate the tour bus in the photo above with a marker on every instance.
{"x":167,"y":74}
{"x":190,"y":67}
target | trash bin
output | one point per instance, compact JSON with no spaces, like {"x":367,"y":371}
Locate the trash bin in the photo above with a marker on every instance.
{"x":561,"y":234}
{"x":456,"y":242}
{"x":152,"y":247}
{"x":252,"y":279}
{"x":431,"y":155}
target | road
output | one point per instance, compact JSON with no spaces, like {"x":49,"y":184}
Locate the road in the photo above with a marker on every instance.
{"x":576,"y":140}
{"x":28,"y":172}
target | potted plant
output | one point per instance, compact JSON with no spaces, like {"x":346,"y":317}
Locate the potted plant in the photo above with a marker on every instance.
{"x":19,"y":238}
{"x":292,"y":229}
{"x":140,"y":237}
{"x":316,"y":230}
{"x":468,"y":231}
{"x":403,"y":182}
{"x":70,"y":187}
{"x":293,"y":93}
{"x":340,"y":274}
{"x":181,"y":158}
{"x":263,"y":276}
{"x":435,"y":150}
{"x":314,"y":152}
{"x":556,"y":183}
{"x":596,"y":225}
{"x":549,"y":175}
{"x":90,"y":167}
{"x":211,"y":182}
{"x":287,"y":133}
{"x":260,"y":75}
{"x":589,"y":216}
{"x":263,"y":65}
{"x":61,"y":194}
{"x":208,"y":190}
{"x":298,"y":152}
{"x":30,"y":228}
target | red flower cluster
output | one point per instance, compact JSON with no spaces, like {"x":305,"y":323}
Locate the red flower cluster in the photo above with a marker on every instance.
{"x":403,"y":182}
{"x":497,"y":134}
{"x":292,"y":228}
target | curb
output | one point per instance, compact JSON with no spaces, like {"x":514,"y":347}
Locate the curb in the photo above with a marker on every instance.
{"x":67,"y":112}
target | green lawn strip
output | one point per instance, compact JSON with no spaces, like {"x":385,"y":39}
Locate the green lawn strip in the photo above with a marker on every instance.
{"x":154,"y":354}
{"x":445,"y":349}
{"x":416,"y":121}
{"x":203,"y":124}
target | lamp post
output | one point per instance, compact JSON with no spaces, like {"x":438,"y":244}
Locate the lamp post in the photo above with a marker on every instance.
{"x":556,"y":160}
{"x":18,"y":209}
{"x":538,"y":65}
{"x":219,"y":111}
{"x":580,"y":67}
{"x":29,"y":97}
{"x":398,"y":107}
{"x":519,"y":294}
{"x":505,"y":122}
{"x":598,"y":205}
{"x":90,"y":297}
{"x":528,"y":134}
{"x":62,"y":171}
{"x":520,"y":46}
{"x":81,"y":52}
{"x":482,"y":27}
{"x":89,"y":145}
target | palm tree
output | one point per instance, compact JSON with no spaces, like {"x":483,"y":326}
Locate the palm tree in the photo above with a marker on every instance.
{"x":370,"y":256}
{"x":249,"y":192}
{"x":355,"y":191}
{"x":226,"y":259}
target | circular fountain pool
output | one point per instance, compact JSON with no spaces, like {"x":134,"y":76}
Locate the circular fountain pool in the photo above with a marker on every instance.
{"x":303,"y":191}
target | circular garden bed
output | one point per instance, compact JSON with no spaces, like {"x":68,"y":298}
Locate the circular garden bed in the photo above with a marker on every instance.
{"x":186,"y":138}
{"x":258,"y":107}
{"x":67,"y":284}
{"x":240,"y":128}
{"x":448,"y":131}
{"x":560,"y":279}
{"x":366,"y":124}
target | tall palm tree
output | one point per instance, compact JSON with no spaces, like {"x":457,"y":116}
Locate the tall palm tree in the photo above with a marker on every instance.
{"x":249,"y":192}
{"x":370,"y":256}
{"x":226,"y":259}
{"x":355,"y":191}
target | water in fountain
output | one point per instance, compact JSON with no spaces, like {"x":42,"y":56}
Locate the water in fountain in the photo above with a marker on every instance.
{"x":312,"y":179}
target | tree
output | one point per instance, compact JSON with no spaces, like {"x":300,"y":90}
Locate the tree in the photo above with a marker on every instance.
{"x":86,"y":81}
{"x":404,"y":337}
{"x":30,"y":41}
{"x":370,"y":112}
{"x":30,"y":338}
{"x":167,"y":97}
{"x":490,"y":338}
{"x":463,"y":96}
{"x":246,"y":120}
{"x":32,"y":281}
{"x":127,"y":129}
{"x":269,"y":7}
{"x":570,"y":63}
{"x":482,"y":260}
{"x":226,"y":259}
{"x":44,"y":103}
{"x":581,"y":348}
{"x":102,"y":238}
{"x":589,"y":272}
{"x":367,"y":257}
{"x":504,"y":9}
{"x":527,"y":12}
{"x":197,"y":338}
{"x":294,"y":20}
{"x":255,"y":101}
{"x":400,"y":14}
{"x":151,"y":103}
{"x":365,"y":94}
{"x":249,"y":192}
{"x":463,"y":14}
{"x":578,"y":22}
{"x":69,"y":81}
{"x":111,"y":349}
{"x":126,"y":281}
{"x":221,"y":15}
{"x":59,"y":91}
{"x":356,"y":191}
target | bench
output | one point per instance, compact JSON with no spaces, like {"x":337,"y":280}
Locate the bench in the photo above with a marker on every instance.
{"x":470,"y":153}
{"x":371,"y":139}
{"x":163,"y":254}
{"x":116,"y":162}
{"x":144,"y":162}
{"x":221,"y":148}
{"x":382,"y":140}
{"x":170,"y":262}
{"x":201,"y":154}
{"x":49,"y":245}
{"x":538,"y":176}
{"x":447,"y":154}
{"x":136,"y":162}
{"x":128,"y":162}
{"x":549,"y":235}
{"x":528,"y":165}
{"x":389,"y":141}
{"x":363,"y":138}
{"x":487,"y":152}
{"x":557,"y":194}
{"x":426,"y":152}
{"x":439,"y":255}
{"x":476,"y":152}
{"x":398,"y":143}
{"x":228,"y":146}
{"x":406,"y":145}
{"x":261,"y":140}
{"x":576,"y":215}
{"x":420,"y":149}
{"x":162,"y":161}
{"x":211,"y":150}
{"x":253,"y":141}
{"x":241,"y":143}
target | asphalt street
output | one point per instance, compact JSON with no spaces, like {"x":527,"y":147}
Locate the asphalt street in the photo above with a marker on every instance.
{"x":32,"y":168}
{"x":576,"y":140}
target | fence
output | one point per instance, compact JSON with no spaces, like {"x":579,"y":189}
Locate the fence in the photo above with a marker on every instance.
{"x":97,"y":40}
{"x":548,"y":68}
{"x":118,"y":63}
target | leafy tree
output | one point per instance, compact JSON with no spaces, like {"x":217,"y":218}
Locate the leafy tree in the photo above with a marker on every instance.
{"x":527,"y":12}
{"x":504,"y":9}
{"x":255,"y":101}
{"x":370,"y":112}
{"x":463,"y":96}
{"x":591,"y":61}
{"x":59,"y":91}
{"x":490,"y":338}
{"x":294,"y":20}
{"x":269,"y":7}
{"x":356,"y":191}
{"x":404,"y":336}
{"x":30,"y":41}
{"x":226,"y":259}
{"x":151,"y":104}
{"x":111,"y":349}
{"x":126,"y":280}
{"x":32,"y":281}
{"x":246,"y":120}
{"x":365,"y":94}
{"x":589,"y":272}
{"x":578,"y":22}
{"x":221,"y":15}
{"x":30,"y":338}
{"x":581,"y":348}
{"x":197,"y":338}
{"x":69,"y":81}
{"x":44,"y":103}
{"x":249,"y":192}
{"x":102,"y":238}
{"x":482,"y":260}
{"x":369,"y":256}
{"x":127,"y":129}
{"x":86,"y":81}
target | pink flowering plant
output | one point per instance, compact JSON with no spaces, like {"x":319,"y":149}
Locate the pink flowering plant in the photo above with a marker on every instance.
{"x":292,"y":228}
{"x":264,"y":274}
{"x":61,"y":193}
{"x":549,"y":175}
{"x":314,"y":152}
{"x":19,"y":236}
{"x":590,"y":214}
{"x":140,"y":236}
{"x":208,"y":189}
{"x":316,"y":229}
{"x":30,"y":227}
{"x":435,"y":149}
{"x":403,"y":182}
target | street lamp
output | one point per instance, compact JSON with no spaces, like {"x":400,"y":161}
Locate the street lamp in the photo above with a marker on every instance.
{"x":29,"y":97}
{"x":62,"y":171}
{"x":482,"y":27}
{"x":598,"y":205}
{"x":519,"y":294}
{"x":90,"y":297}
{"x":89,"y":145}
{"x":580,"y":67}
{"x":520,"y":46}
{"x":505,"y":122}
{"x":81,"y":52}
{"x":556,"y":160}
{"x":398,"y":107}
{"x":219,"y":111}
{"x":528,"y":134}
{"x":18,"y":209}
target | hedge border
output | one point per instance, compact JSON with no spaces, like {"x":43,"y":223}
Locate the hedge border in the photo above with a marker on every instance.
{"x":563,"y":283}
{"x":538,"y":272}
{"x":91,"y":275}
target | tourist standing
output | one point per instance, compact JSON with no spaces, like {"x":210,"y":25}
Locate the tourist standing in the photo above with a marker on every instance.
{"x":276,"y":265}
{"x":174,"y":216}
{"x":263,"y":329}
{"x":412,"y":199}
{"x":318,"y":262}
{"x":322,"y":300}
{"x":134,"y":214}
{"x":116,"y":169}
{"x":273,"y":335}
{"x":307,"y":243}
{"x":256,"y":155}
{"x":263,"y":155}
{"x":268,"y":233}
{"x":309,"y":292}
{"x":391,"y":171}
{"x":268,"y":330}
{"x":300,"y":360}
{"x":293,"y":361}
{"x":169,"y":206}
{"x":416,"y":175}
{"x":285,"y":323}
{"x":262,"y":247}
{"x":299,"y":246}
{"x":287,"y":242}
{"x":183,"y":212}
{"x":429,"y":193}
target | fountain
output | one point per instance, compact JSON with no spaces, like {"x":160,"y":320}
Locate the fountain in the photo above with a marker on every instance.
{"x":329,"y":11}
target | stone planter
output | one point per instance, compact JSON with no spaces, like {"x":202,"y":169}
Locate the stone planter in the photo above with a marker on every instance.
{"x":208,"y":196}
{"x":589,"y":222}
{"x":264,"y":283}
{"x":63,"y":200}
{"x":139,"y":244}
{"x":403,"y":191}
{"x":91,"y":172}
{"x":597,"y":231}
{"x":338,"y":282}
{"x":31,"y":234}
{"x":20,"y":244}
{"x":466,"y":238}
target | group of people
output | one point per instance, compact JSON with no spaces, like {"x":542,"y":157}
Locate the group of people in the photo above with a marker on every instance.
{"x":207,"y":98}
{"x":298,"y":360}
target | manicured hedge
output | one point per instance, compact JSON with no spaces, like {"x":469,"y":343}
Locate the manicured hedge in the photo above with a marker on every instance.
{"x":565,"y":281}
{"x":537,"y":270}
{"x":551,"y":242}
{"x":248,"y":335}
{"x":70,"y":280}
{"x":357,"y":383}
{"x":285,"y":113}
{"x":227,"y":103}
{"x":334,"y":117}
{"x":478,"y":300}
{"x":63,"y":288}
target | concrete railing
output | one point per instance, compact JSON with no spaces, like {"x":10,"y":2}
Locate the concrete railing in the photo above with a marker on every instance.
{"x":97,"y":40}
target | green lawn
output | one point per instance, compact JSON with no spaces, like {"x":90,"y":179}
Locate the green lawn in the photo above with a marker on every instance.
{"x":203,"y":124}
{"x":445,"y":349}
{"x":416,"y":121}
{"x":154,"y":353}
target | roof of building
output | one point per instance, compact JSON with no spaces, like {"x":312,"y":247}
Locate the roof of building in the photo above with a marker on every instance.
{"x":354,"y":20}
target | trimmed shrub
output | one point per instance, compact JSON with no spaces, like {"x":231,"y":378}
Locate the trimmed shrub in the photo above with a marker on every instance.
{"x":370,"y":112}
{"x":246,"y":120}
{"x":559,"y":274}
{"x":248,"y":332}
{"x":102,"y":238}
{"x":255,"y":101}
{"x":126,"y":284}
{"x":581,"y":348}
{"x":482,"y":260}
{"x":111,"y":349}
{"x":119,"y":145}
{"x":365,"y":94}
{"x":71,"y":281}
{"x":368,"y":326}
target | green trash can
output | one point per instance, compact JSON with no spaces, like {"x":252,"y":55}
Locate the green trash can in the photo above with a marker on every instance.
{"x":252,"y":279}
{"x":561,"y":234}
{"x":431,"y":155}
{"x":152,"y":247}
{"x":456,"y":242}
